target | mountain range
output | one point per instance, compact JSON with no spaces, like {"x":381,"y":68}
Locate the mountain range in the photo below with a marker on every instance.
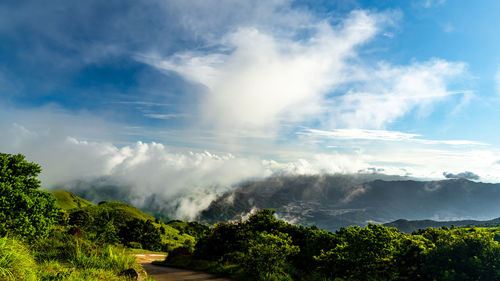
{"x":334,"y":201}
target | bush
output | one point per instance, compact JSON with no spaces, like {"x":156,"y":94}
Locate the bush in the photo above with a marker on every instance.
{"x":16,"y":262}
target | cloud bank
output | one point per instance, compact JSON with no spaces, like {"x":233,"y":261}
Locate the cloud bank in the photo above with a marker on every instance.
{"x":188,"y":180}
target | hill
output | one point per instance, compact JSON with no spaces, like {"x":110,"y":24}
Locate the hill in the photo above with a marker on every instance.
{"x":334,"y":201}
{"x":67,"y":200}
{"x":121,"y":214}
{"x":125,"y":209}
{"x":409,"y":226}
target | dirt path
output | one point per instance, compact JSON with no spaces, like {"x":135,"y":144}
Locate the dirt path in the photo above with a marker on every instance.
{"x":163,"y":273}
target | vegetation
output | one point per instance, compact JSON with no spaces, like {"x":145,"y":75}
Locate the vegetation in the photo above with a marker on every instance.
{"x":24,"y":209}
{"x":16,"y":263}
{"x":265,"y":248}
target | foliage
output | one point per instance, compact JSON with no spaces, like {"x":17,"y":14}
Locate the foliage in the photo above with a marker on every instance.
{"x":194,"y":229}
{"x":265,"y":248}
{"x":143,"y":232}
{"x":24,"y":209}
{"x":267,"y":255}
{"x":120,"y":223}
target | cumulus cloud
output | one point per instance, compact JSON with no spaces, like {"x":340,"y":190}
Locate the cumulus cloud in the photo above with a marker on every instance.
{"x":257,"y":80}
{"x":464,"y":175}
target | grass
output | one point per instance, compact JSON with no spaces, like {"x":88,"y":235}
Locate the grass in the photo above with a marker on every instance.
{"x":107,"y":258}
{"x":67,"y":257}
{"x":67,"y":200}
{"x":127,"y":210}
{"x":16,"y":262}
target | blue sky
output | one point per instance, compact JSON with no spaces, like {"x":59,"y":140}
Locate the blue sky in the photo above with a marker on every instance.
{"x":92,"y":88}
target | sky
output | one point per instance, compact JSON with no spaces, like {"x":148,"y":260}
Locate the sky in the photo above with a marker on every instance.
{"x":176,"y":96}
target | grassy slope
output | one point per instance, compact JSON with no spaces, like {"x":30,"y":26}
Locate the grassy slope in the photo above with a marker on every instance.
{"x":67,"y":200}
{"x":128,"y":210}
{"x":172,"y":236}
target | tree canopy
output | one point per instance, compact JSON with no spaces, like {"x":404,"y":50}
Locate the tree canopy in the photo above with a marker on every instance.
{"x":25,"y":210}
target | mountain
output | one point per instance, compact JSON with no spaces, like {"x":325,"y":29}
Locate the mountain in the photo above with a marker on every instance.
{"x":334,"y":201}
{"x":410,"y":226}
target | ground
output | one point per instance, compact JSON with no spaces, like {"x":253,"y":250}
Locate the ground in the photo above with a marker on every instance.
{"x":163,"y":273}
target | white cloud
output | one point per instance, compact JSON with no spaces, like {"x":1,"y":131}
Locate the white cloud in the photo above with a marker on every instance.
{"x":383,"y":94}
{"x":259,"y":81}
{"x":382,"y":135}
{"x":164,"y":116}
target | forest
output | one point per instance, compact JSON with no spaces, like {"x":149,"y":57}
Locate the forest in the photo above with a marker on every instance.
{"x":59,"y":236}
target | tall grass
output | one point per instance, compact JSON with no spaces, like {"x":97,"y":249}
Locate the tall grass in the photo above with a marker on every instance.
{"x":108,"y":258}
{"x":16,"y":262}
{"x":70,"y":258}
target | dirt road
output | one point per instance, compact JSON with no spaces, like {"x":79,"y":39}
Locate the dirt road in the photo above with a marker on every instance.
{"x":162,"y":273}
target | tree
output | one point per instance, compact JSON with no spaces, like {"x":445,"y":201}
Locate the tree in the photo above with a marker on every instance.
{"x":143,"y":232}
{"x":267,"y":256}
{"x":24,"y":209}
{"x":362,"y":253}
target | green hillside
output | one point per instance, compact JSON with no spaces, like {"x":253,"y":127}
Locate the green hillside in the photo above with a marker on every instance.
{"x":126,"y":210}
{"x":119,"y":215}
{"x":67,"y":200}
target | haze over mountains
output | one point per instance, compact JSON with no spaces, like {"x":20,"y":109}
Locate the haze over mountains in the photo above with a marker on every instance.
{"x":330,"y":201}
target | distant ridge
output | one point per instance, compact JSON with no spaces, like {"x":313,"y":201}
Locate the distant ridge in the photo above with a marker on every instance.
{"x":409,"y":226}
{"x":334,"y":201}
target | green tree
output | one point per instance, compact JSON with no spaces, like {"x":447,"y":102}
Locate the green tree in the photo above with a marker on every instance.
{"x":24,"y":209}
{"x":143,"y":232}
{"x":362,"y":253}
{"x":267,"y":256}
